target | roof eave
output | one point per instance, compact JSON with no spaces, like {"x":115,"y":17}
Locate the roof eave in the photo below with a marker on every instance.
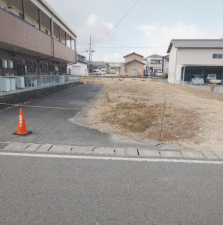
{"x":43,"y":2}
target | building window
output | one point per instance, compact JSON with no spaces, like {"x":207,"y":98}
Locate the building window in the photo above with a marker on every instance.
{"x":51,"y":68}
{"x":156,"y":62}
{"x":64,"y":69}
{"x":31,"y":67}
{"x":43,"y":68}
{"x":217,"y":56}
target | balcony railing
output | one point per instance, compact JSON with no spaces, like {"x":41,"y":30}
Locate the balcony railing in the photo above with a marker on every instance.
{"x":13,"y":85}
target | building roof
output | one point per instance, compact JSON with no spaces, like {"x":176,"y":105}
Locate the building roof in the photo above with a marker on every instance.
{"x":195,"y":43}
{"x":133,"y":54}
{"x":45,"y":4}
{"x":155,"y":56}
{"x":134,"y":60}
{"x":98,"y":63}
{"x":116,"y":64}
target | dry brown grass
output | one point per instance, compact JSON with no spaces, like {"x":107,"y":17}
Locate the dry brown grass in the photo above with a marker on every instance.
{"x":136,"y":106}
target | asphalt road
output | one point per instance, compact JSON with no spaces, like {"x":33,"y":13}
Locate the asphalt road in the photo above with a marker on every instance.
{"x":53,"y":126}
{"x":98,"y":192}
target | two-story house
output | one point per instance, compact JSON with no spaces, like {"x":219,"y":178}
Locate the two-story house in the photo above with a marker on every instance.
{"x":190,"y":57}
{"x":34,"y":39}
{"x":133,"y":65}
{"x":154,"y":64}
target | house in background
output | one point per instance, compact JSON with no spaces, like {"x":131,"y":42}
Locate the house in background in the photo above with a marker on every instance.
{"x":81,"y":68}
{"x":165,"y":64}
{"x":99,"y":65}
{"x":133,"y":65}
{"x":190,"y":57}
{"x":34,"y":39}
{"x":115,"y":68}
{"x":154,"y":64}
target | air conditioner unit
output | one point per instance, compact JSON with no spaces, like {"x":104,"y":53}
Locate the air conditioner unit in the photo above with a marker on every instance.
{"x":4,"y":63}
{"x":10,"y":64}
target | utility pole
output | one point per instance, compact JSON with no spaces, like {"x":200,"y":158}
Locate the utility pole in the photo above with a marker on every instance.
{"x":89,"y":62}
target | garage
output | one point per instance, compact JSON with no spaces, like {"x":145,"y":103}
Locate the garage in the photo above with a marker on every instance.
{"x":188,"y":71}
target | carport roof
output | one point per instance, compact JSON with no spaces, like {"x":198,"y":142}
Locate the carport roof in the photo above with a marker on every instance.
{"x":203,"y":65}
{"x":196,"y":43}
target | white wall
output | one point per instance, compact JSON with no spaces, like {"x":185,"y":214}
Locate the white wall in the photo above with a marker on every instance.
{"x":199,"y":56}
{"x":172,"y":65}
{"x":80,"y":69}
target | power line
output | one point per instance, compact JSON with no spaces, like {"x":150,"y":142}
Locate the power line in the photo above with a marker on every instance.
{"x":119,"y":21}
{"x":133,"y":47}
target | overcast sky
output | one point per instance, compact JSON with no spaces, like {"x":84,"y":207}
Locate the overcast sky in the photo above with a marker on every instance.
{"x":151,"y":24}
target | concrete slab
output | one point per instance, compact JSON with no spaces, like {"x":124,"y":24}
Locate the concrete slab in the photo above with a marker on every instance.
{"x":120,"y":152}
{"x":151,"y":142}
{"x":149,"y":153}
{"x":218,"y":154}
{"x":132,"y":152}
{"x":210,"y":155}
{"x":60,"y":149}
{"x":171,"y":147}
{"x":44,"y":148}
{"x":104,"y":151}
{"x":171,"y":154}
{"x":82,"y":150}
{"x":17,"y":146}
{"x":33,"y":147}
{"x":3,"y":145}
{"x":193,"y":155}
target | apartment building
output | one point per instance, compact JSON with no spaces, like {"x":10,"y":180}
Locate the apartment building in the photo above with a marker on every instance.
{"x":34,"y":39}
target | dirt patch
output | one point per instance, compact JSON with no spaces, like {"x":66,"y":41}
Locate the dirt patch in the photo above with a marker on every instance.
{"x":190,"y":118}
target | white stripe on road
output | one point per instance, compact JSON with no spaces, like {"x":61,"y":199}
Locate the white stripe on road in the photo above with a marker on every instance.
{"x":111,"y":158}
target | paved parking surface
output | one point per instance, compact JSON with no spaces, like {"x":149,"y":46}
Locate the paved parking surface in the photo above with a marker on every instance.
{"x":53,"y":126}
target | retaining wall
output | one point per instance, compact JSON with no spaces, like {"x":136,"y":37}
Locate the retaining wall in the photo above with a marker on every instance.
{"x":27,"y":96}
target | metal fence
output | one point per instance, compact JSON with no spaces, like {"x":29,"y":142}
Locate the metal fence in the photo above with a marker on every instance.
{"x":11,"y":85}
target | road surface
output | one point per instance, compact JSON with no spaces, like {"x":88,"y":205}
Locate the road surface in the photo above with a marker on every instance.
{"x":39,"y":190}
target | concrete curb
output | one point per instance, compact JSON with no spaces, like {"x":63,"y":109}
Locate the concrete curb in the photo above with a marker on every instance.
{"x":109,"y":151}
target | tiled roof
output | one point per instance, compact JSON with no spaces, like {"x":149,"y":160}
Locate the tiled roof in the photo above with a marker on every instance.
{"x":196,"y":43}
{"x":98,"y":63}
{"x":155,"y":56}
{"x":134,"y":60}
{"x":133,"y":54}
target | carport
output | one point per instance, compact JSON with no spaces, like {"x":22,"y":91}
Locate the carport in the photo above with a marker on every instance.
{"x":187,"y":71}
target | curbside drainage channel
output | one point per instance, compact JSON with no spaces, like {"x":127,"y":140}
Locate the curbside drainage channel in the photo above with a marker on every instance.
{"x":108,"y":151}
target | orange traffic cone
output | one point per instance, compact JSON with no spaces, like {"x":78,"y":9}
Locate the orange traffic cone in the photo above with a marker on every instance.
{"x":22,"y":126}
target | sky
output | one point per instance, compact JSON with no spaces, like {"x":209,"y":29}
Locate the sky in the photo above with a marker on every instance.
{"x":147,"y":29}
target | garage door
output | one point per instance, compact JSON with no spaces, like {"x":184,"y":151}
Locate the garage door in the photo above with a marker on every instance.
{"x":217,"y":72}
{"x":190,"y":72}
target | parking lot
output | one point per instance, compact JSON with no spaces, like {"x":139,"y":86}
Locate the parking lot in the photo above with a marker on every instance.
{"x":53,"y":125}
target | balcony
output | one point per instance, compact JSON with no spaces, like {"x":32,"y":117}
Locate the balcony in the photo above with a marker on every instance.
{"x":19,"y":35}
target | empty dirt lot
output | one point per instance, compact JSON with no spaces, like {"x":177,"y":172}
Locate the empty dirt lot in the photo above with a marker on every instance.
{"x":148,"y":109}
